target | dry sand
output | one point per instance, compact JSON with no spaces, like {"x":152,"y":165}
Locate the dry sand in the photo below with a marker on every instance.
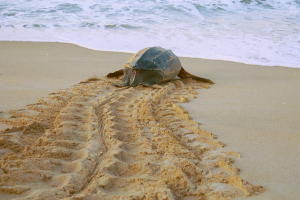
{"x":91,"y":140}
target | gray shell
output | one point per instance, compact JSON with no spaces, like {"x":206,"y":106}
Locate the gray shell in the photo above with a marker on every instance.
{"x":151,"y":66}
{"x":157,"y":58}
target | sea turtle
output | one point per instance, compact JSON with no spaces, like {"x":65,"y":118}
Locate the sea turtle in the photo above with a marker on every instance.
{"x":152,"y":65}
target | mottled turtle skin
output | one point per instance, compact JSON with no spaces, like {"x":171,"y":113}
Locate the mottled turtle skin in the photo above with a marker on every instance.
{"x":152,"y":65}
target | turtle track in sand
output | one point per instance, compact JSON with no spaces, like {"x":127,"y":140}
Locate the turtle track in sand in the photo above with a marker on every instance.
{"x":96,"y":141}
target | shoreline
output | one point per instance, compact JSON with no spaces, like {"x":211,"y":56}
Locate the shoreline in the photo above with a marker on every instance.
{"x":132,"y":52}
{"x":254,"y":110}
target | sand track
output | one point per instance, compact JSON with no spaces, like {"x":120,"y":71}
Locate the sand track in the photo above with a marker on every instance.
{"x":96,"y":141}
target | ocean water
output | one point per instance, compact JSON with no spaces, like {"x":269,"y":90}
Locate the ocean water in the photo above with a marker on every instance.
{"x":250,"y":31}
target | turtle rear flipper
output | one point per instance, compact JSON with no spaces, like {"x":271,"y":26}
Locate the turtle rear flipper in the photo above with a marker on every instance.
{"x":185,"y":74}
{"x":115,"y":74}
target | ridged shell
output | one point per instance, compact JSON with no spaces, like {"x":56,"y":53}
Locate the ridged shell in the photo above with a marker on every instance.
{"x":156,"y":58}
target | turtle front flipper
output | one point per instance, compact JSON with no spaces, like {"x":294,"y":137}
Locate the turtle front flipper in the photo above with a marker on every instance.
{"x":127,"y":72}
{"x":121,"y":84}
{"x":185,"y":74}
{"x":115,"y":74}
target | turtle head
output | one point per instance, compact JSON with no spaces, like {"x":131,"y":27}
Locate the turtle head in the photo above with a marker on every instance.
{"x":145,"y":77}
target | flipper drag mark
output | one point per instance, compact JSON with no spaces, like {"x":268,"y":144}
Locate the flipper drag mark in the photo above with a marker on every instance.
{"x":96,"y":141}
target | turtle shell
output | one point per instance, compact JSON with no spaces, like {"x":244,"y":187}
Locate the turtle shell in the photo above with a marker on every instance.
{"x":158,"y":59}
{"x":151,"y":66}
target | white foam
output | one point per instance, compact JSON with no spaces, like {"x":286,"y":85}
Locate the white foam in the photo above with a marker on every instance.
{"x":265,"y":33}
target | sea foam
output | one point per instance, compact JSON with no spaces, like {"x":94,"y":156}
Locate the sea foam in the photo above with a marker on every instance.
{"x":257,"y":32}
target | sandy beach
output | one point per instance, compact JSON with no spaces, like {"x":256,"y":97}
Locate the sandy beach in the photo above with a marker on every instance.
{"x":67,"y":133}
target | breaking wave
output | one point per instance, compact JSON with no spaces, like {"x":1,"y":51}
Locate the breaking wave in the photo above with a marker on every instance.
{"x":250,"y":31}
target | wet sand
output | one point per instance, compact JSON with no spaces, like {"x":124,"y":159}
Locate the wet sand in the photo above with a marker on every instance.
{"x":90,"y":140}
{"x":255,"y":110}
